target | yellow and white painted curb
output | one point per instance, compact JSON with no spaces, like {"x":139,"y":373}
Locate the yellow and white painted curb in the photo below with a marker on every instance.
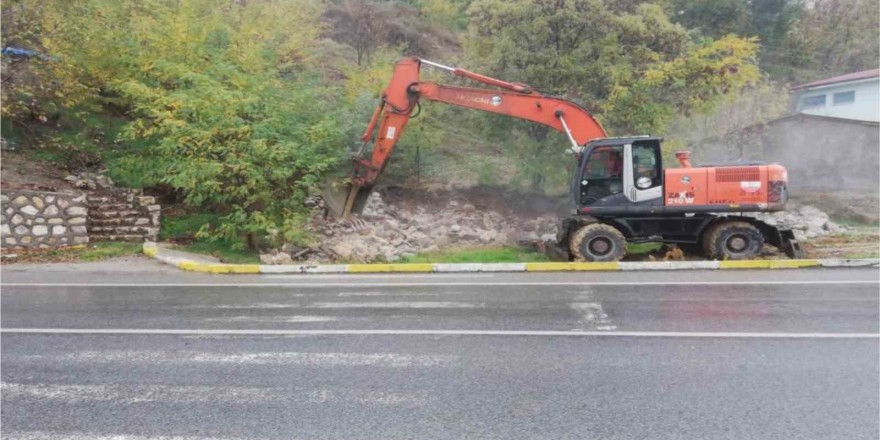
{"x":154,"y":251}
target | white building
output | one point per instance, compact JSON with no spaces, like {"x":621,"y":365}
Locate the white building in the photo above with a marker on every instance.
{"x":852,"y":96}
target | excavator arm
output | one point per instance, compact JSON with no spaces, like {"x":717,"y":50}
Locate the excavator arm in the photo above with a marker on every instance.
{"x":402,"y":95}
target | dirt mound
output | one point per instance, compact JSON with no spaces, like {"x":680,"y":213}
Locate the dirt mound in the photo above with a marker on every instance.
{"x":22,"y":172}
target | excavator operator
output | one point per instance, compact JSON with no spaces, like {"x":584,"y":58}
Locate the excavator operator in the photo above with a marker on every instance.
{"x":615,"y":164}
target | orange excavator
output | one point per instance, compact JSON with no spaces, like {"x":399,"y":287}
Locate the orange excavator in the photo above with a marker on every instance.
{"x":620,"y":191}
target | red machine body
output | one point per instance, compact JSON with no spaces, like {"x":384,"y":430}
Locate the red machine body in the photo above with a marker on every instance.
{"x":733,"y":186}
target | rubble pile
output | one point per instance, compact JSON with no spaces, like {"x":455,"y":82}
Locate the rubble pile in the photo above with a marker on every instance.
{"x":806,"y":221}
{"x":89,"y":180}
{"x":391,"y":231}
{"x":386,"y":232}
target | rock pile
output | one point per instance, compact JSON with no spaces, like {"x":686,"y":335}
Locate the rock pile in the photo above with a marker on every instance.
{"x":386,"y":232}
{"x":806,"y":222}
{"x":88,"y":180}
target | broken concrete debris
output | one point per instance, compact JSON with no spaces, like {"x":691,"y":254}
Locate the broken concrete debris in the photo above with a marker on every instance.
{"x":387,"y":232}
{"x":806,"y":221}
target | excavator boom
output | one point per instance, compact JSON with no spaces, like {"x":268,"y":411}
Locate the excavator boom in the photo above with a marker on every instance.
{"x":401,"y":97}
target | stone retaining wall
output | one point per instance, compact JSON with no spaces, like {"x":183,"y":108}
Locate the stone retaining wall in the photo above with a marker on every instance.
{"x":42,"y":220}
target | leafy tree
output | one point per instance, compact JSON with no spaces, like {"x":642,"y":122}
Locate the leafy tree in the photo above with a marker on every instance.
{"x":366,"y":26}
{"x":628,"y":63}
{"x":234,"y":114}
{"x":691,"y":83}
{"x":361,"y":24}
{"x":768,"y":20}
{"x":832,"y":37}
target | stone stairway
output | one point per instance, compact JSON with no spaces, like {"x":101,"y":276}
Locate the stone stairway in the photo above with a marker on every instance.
{"x":122,"y":215}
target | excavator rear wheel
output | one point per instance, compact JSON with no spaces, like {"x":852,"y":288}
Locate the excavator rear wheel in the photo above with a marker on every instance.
{"x":733,"y":240}
{"x":597,"y":242}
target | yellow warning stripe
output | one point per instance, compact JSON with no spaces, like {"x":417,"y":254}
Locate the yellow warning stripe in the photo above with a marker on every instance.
{"x":403,"y":267}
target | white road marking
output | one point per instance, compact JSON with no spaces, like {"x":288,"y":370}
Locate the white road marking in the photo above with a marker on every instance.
{"x":393,"y":305}
{"x":593,"y":315}
{"x":383,"y":398}
{"x":350,"y":294}
{"x":294,"y":318}
{"x":391,"y":360}
{"x":48,"y":435}
{"x":132,"y":394}
{"x":309,"y":359}
{"x":129,"y":394}
{"x":245,"y":306}
{"x":642,"y":334}
{"x":465,"y":284}
{"x":361,"y":294}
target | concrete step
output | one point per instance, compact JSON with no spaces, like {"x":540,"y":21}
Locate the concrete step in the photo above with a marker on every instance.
{"x":122,"y":229}
{"x":95,"y":214}
{"x":112,"y":207}
{"x":120,"y":221}
{"x":94,"y":200}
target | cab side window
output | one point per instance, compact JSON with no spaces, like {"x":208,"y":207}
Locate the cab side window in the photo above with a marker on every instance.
{"x":646,"y":163}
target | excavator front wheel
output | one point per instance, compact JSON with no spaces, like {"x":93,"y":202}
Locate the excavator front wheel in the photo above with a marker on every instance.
{"x":597,"y":242}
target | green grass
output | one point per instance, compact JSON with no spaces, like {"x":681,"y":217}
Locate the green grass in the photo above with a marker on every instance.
{"x":88,"y":252}
{"x":223,"y":251}
{"x":185,"y":226}
{"x":181,"y":229}
{"x":855,"y":224}
{"x":484,"y":255}
{"x":642,"y":248}
{"x":505,"y":254}
{"x":104,"y":250}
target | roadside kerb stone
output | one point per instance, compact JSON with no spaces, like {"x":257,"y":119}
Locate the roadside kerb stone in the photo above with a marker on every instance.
{"x":303,"y":268}
{"x":849,"y":263}
{"x":669,"y":265}
{"x":480,"y":267}
{"x":200,"y":264}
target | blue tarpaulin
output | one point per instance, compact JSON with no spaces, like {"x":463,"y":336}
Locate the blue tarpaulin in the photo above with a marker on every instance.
{"x":22,"y":53}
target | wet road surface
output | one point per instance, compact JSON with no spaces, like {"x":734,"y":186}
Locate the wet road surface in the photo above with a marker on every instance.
{"x":664,"y":355}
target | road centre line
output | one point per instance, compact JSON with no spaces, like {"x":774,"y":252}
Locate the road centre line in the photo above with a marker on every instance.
{"x":468,"y":284}
{"x":638,"y":334}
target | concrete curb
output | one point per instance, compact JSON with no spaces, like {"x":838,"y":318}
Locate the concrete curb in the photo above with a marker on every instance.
{"x":154,"y":251}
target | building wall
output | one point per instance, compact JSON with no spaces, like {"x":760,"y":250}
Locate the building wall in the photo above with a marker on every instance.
{"x":866,"y":106}
{"x":820,"y":154}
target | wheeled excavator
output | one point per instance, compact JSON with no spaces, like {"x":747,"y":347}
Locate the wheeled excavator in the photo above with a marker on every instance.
{"x":620,"y":191}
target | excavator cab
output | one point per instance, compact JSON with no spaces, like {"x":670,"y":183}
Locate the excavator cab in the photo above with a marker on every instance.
{"x":619,"y":171}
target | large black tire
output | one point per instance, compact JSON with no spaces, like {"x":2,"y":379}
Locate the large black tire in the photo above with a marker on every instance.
{"x":597,"y":242}
{"x":733,"y":240}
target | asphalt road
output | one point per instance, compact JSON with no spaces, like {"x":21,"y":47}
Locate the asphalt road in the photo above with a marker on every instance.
{"x":147,"y":352}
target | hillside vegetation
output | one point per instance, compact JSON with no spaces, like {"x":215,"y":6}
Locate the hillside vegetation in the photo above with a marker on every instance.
{"x":240,"y":108}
